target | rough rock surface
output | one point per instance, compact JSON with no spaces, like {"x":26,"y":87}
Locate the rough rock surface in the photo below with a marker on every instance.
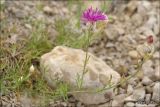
{"x":156,"y":92}
{"x":132,"y":22}
{"x":64,"y":64}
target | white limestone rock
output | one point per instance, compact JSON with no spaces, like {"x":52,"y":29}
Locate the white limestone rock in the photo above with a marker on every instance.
{"x":129,"y":104}
{"x":108,"y":104}
{"x":157,"y":73}
{"x":146,"y":81}
{"x":143,"y":7}
{"x":148,"y":98}
{"x":48,"y":10}
{"x":129,"y":89}
{"x":118,"y":100}
{"x":131,"y":7}
{"x":111,"y":32}
{"x":64,"y":64}
{"x":148,"y":70}
{"x":130,"y":99}
{"x":138,"y":94}
{"x":133,"y":54}
{"x":140,"y":105}
{"x":156,"y":92}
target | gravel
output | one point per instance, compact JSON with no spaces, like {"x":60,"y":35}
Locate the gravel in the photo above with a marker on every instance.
{"x":132,"y":22}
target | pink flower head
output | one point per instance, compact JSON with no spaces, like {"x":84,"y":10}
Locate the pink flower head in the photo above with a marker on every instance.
{"x":91,"y":15}
{"x":150,"y":39}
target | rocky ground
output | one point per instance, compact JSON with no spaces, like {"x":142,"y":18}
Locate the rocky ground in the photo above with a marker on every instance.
{"x":132,"y":22}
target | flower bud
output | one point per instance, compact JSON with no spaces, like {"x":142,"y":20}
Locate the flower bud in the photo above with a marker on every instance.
{"x":150,"y":39}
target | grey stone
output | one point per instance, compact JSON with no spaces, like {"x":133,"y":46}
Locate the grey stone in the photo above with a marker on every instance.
{"x":25,"y":101}
{"x":156,"y":55}
{"x":133,"y":54}
{"x":109,"y":104}
{"x":136,"y":22}
{"x":28,"y":26}
{"x":152,"y":105}
{"x":129,"y":89}
{"x":140,"y":105}
{"x":157,"y":73}
{"x":143,"y":7}
{"x":146,"y":81}
{"x":131,"y":7}
{"x":48,"y":10}
{"x":151,"y":21}
{"x":79,"y":104}
{"x":147,"y":98}
{"x":149,"y":89}
{"x":118,"y":100}
{"x":148,"y":69}
{"x":122,"y":91}
{"x":133,"y":81}
{"x":111,"y":32}
{"x":139,"y":94}
{"x":129,"y":104}
{"x":130,"y":99}
{"x":156,"y":92}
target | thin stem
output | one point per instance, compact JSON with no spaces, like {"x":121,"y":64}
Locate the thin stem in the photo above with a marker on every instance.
{"x":86,"y":58}
{"x":139,"y":66}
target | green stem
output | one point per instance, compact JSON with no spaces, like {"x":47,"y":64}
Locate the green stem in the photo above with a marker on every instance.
{"x":86,"y":58}
{"x":139,"y":66}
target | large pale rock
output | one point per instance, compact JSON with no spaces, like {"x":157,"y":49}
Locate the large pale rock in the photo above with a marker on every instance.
{"x":64,"y":64}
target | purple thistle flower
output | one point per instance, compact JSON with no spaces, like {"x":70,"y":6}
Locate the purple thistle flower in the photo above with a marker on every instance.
{"x":91,"y":15}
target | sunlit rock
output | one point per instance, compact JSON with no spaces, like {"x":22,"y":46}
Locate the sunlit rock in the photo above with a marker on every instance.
{"x":64,"y":64}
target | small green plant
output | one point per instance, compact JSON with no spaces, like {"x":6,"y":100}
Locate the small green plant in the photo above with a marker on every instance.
{"x":62,"y":90}
{"x":39,"y":6}
{"x":89,"y":17}
{"x":106,"y":5}
{"x":16,"y":61}
{"x":2,"y":5}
